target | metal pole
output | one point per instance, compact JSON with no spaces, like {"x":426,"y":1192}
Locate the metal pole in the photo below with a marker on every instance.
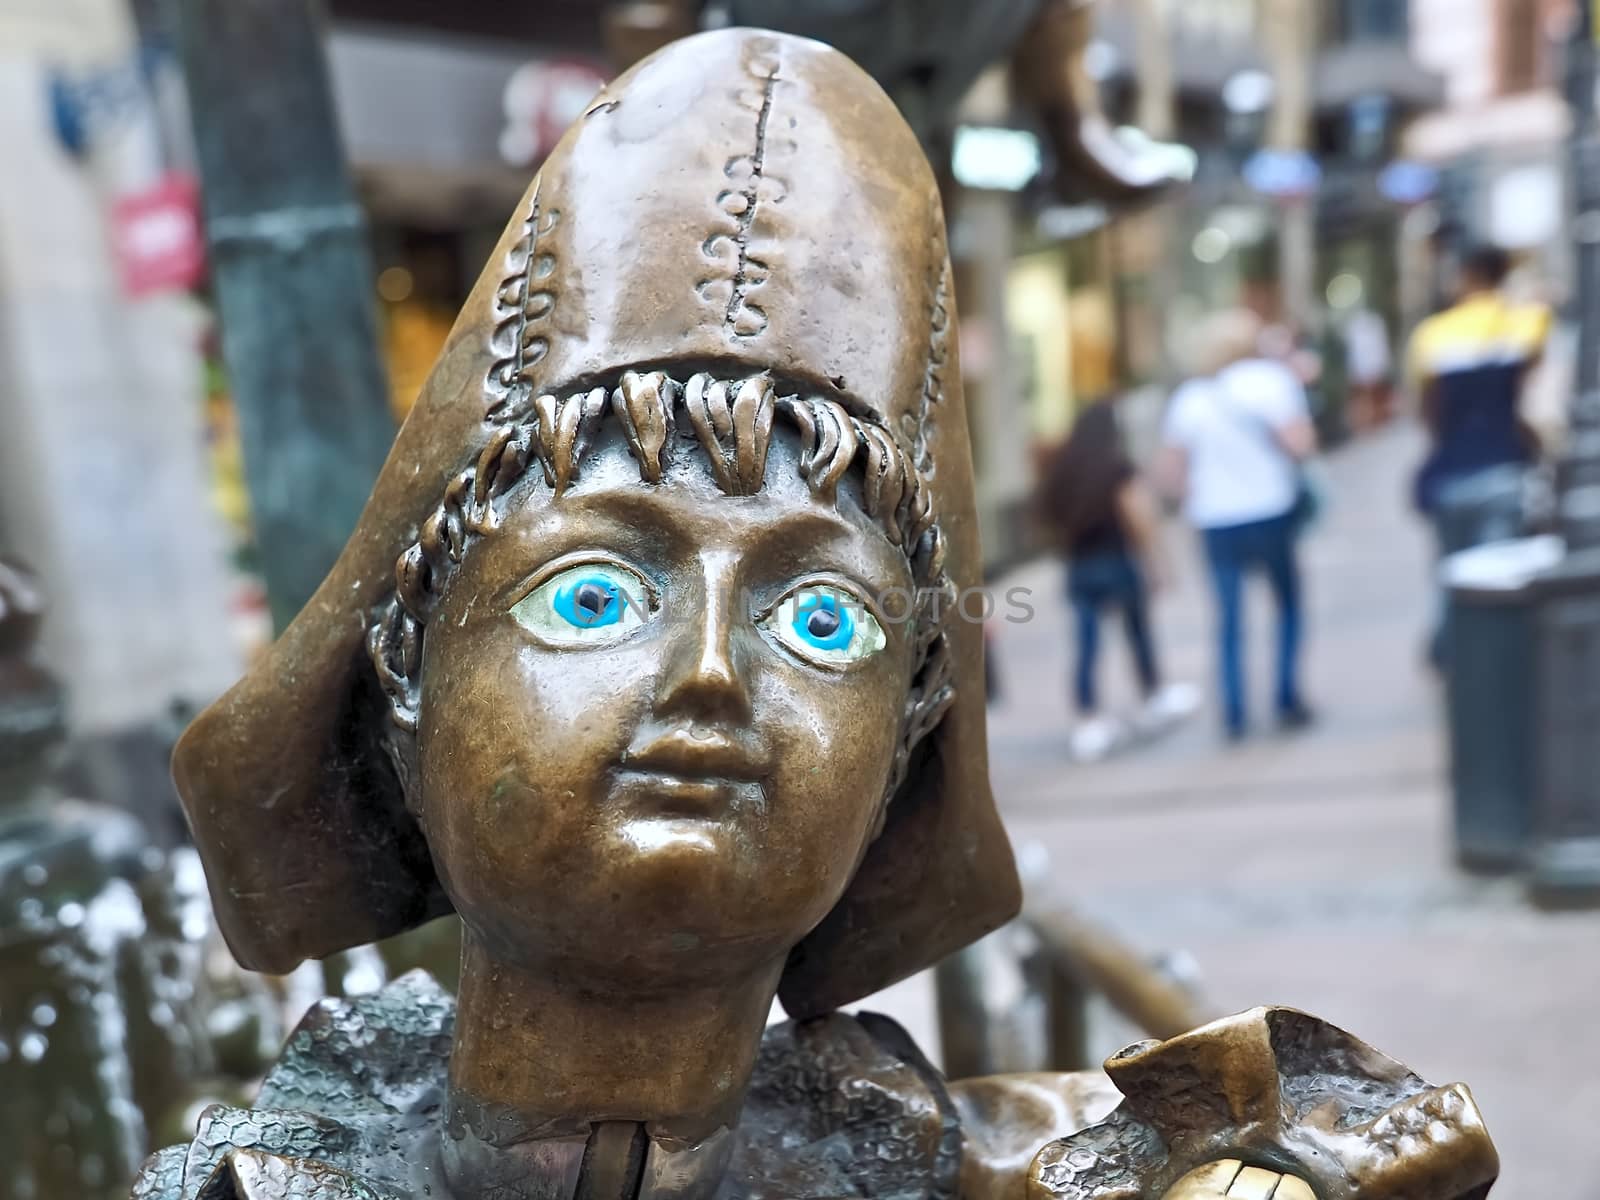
{"x":1566,"y":858}
{"x":293,"y":278}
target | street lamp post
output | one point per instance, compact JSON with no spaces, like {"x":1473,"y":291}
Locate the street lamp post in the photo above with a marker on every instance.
{"x":293,"y":278}
{"x":1566,"y":857}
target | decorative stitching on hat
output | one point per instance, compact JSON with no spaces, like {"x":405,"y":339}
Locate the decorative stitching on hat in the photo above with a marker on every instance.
{"x":727,"y":247}
{"x":522,"y":307}
{"x":744,"y":319}
{"x":938,"y":347}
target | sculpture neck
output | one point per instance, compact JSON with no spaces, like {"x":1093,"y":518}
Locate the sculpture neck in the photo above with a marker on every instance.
{"x":638,"y":1094}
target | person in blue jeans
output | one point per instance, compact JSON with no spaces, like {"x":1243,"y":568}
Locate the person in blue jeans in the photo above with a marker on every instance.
{"x":1235,"y":441}
{"x":1104,"y":524}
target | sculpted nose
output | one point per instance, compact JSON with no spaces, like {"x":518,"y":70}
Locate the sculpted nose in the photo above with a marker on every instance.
{"x":702,"y":676}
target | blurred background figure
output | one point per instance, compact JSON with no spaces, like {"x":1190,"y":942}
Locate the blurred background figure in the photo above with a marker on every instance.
{"x":1470,"y":366}
{"x":1237,"y":436}
{"x":1369,"y":369}
{"x":1105,"y":523}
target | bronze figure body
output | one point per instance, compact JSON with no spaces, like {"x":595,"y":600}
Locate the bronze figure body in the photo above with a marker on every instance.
{"x":648,"y":658}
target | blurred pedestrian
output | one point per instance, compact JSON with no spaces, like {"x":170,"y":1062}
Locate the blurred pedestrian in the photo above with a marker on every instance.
{"x":1235,"y":443}
{"x":1105,"y":524}
{"x":1369,"y":368}
{"x":1469,"y":365}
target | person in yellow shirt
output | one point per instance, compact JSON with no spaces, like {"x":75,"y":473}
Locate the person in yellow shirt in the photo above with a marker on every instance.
{"x":1468,"y":364}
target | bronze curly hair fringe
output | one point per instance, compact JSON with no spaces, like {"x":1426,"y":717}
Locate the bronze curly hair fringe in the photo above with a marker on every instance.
{"x":731,"y":423}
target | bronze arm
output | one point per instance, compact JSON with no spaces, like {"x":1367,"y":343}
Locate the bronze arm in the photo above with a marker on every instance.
{"x":1048,"y":72}
{"x":1049,"y":75}
{"x":1272,"y":1104}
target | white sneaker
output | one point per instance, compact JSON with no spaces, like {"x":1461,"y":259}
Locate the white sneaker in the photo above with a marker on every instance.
{"x":1094,"y":739}
{"x":1171,"y":704}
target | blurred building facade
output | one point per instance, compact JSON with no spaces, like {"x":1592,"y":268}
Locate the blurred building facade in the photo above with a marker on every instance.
{"x":1499,"y":141}
{"x":104,"y":476}
{"x":1500,"y":132}
{"x":1297,"y":111}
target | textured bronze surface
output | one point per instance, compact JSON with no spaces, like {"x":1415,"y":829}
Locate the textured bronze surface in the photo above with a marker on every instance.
{"x":1272,"y":1105}
{"x":837,"y":1107}
{"x":1271,"y":1102}
{"x":781,"y":220}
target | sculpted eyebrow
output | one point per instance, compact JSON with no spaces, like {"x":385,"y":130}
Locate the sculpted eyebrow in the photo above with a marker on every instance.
{"x":794,"y":533}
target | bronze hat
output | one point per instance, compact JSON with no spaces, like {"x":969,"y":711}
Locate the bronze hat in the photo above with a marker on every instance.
{"x":776,"y":214}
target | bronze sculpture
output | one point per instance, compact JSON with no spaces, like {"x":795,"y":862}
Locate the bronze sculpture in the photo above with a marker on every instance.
{"x":648,"y":658}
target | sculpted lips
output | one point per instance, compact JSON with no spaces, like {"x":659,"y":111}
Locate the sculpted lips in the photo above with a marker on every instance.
{"x":694,"y":772}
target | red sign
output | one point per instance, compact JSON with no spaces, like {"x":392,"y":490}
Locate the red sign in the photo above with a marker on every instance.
{"x":156,"y":237}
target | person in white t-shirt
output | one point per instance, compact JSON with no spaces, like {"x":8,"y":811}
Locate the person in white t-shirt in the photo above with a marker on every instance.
{"x":1234,"y":441}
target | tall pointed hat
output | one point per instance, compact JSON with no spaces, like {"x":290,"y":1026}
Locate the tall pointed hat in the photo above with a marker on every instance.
{"x":741,"y":200}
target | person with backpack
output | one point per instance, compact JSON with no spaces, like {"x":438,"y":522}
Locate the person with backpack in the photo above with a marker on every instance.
{"x":1236,"y":439}
{"x":1104,"y":522}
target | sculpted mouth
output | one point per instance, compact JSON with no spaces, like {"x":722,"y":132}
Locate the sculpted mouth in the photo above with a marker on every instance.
{"x":695,"y":756}
{"x":691,"y":773}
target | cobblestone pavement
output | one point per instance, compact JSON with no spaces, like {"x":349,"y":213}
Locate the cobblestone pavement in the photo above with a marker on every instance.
{"x":1315,"y":870}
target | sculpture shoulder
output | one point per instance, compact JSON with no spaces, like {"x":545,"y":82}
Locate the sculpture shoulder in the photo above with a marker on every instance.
{"x":839,"y":1106}
{"x":844,"y":1106}
{"x":351,"y":1111}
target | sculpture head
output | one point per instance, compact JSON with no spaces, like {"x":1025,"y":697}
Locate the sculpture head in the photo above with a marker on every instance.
{"x":644,"y":655}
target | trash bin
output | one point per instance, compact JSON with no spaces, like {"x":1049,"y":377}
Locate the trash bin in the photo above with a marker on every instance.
{"x":1489,"y":696}
{"x":1485,"y":507}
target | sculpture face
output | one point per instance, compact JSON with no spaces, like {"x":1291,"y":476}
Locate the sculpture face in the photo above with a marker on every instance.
{"x":657,"y":720}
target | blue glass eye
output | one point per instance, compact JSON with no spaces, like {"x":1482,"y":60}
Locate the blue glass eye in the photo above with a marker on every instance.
{"x":821,"y":620}
{"x":826,"y":626}
{"x":590,"y":602}
{"x":585,"y":605}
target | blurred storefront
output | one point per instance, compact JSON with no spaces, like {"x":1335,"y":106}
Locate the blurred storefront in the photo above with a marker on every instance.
{"x":1297,"y":112}
{"x":1500,"y":134}
{"x":1369,"y":90}
{"x":1499,"y":142}
{"x":1043,"y":327}
{"x":103,"y":358}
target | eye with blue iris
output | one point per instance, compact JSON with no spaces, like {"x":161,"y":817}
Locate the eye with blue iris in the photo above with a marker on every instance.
{"x":826,"y":625}
{"x":585,"y":605}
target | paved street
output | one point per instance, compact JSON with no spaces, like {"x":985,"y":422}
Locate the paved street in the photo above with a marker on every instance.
{"x":1315,"y":870}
